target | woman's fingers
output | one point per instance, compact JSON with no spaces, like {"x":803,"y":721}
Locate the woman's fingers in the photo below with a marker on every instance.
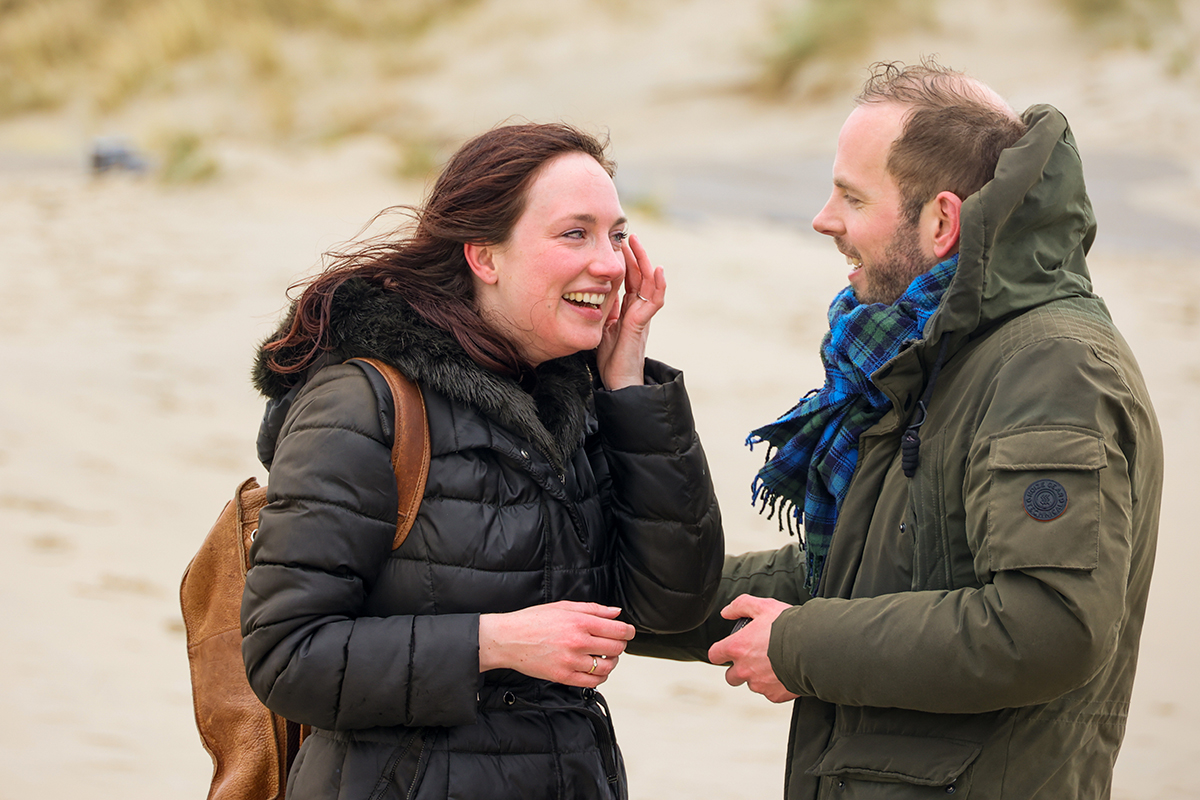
{"x":595,"y":609}
{"x":643,"y":281}
{"x":556,"y":641}
{"x":598,"y":666}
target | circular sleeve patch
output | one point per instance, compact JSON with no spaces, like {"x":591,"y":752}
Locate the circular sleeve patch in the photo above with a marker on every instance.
{"x":1045,"y":500}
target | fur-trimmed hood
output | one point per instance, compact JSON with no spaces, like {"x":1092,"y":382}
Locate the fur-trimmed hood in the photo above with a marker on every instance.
{"x":367,"y":321}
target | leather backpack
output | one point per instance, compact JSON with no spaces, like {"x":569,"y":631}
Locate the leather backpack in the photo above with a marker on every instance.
{"x":252,"y":748}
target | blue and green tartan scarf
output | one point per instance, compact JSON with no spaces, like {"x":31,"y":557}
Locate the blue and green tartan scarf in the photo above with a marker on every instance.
{"x":815,"y":444}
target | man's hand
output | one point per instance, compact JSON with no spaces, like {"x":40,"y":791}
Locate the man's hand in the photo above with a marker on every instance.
{"x":746,"y":650}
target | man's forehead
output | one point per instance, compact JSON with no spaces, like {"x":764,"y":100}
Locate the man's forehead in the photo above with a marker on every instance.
{"x":875,"y":125}
{"x":864,"y":144}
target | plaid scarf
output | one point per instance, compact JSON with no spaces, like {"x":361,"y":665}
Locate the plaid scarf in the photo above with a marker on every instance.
{"x":815,"y":444}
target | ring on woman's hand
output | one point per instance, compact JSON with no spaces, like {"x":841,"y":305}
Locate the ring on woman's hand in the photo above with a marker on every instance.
{"x":595,"y":663}
{"x":639,"y":297}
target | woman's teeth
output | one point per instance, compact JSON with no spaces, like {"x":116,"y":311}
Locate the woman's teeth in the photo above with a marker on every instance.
{"x":584,"y":298}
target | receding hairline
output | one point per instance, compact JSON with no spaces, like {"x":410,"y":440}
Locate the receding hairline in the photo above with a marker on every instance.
{"x":932,"y":76}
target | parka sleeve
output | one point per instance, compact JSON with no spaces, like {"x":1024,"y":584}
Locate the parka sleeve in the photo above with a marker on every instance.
{"x":778,"y":574}
{"x":669,"y":541}
{"x":1051,"y":605}
{"x":311,"y":654}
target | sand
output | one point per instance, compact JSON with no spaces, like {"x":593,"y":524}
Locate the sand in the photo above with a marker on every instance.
{"x":131,"y":312}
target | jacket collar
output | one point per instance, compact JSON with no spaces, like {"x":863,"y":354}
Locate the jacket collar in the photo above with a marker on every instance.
{"x":367,"y":321}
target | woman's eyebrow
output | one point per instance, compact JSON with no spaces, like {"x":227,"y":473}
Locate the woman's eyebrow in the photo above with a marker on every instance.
{"x":590,"y":219}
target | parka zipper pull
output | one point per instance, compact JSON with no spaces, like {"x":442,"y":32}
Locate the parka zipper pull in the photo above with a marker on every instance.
{"x":910,"y":442}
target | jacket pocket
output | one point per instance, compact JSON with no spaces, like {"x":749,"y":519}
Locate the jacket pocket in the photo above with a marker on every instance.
{"x":1044,"y":499}
{"x":379,"y":764}
{"x":884,"y":765}
{"x":402,"y":773}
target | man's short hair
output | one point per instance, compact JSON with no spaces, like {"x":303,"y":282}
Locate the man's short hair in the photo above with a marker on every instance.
{"x":952,"y":136}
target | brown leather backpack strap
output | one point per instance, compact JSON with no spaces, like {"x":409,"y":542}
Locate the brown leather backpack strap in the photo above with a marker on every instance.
{"x":410,"y":447}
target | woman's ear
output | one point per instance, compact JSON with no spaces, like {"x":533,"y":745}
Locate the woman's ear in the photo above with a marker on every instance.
{"x":481,"y":260}
{"x":947,"y":219}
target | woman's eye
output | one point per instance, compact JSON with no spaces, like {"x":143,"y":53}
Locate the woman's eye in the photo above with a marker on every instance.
{"x":578,"y":233}
{"x":620,"y":237}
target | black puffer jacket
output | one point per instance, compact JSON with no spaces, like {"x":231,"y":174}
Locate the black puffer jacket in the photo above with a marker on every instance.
{"x":564,"y":493}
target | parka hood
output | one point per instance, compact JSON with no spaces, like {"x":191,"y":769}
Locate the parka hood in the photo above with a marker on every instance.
{"x":1024,"y":234}
{"x":369,"y":322}
{"x":1023,"y":243}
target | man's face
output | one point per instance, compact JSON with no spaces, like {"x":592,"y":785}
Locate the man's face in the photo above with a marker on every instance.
{"x":864,"y":213}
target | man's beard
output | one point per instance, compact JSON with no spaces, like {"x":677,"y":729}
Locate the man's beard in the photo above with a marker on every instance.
{"x":902,"y":262}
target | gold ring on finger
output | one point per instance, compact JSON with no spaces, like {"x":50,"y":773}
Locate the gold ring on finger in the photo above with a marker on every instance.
{"x":594,"y":665}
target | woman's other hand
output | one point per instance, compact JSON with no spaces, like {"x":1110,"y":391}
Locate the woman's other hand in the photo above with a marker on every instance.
{"x":621,"y":355}
{"x":576,"y":644}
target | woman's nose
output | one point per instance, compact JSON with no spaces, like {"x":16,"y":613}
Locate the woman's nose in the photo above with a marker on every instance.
{"x":609,"y":263}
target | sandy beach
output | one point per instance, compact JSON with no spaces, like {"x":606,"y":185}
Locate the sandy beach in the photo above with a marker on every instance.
{"x":132,"y":309}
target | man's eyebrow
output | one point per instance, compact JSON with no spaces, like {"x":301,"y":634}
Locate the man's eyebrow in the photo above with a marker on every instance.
{"x":845,"y":185}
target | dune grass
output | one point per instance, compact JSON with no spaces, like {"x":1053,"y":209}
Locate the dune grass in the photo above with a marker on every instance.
{"x":823,"y":36}
{"x":1137,"y":22}
{"x":107,"y":52}
{"x":834,"y":31}
{"x":185,"y":159}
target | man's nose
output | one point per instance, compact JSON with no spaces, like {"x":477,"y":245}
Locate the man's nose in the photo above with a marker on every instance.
{"x":826,"y":221}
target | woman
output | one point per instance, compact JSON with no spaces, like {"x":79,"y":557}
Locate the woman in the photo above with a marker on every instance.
{"x":568,"y":502}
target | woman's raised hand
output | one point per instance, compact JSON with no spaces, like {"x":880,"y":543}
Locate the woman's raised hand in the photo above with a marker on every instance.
{"x":576,"y":644}
{"x":621,"y":355}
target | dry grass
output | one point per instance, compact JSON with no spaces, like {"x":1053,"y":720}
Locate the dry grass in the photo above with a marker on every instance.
{"x":105,"y":53}
{"x":834,"y":32}
{"x":186,"y":160}
{"x":1121,"y":22}
{"x":821,"y":37}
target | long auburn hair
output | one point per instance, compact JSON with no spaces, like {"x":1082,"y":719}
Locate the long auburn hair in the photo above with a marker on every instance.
{"x":477,"y":199}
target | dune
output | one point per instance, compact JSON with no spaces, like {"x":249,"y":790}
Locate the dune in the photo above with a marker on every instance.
{"x":132,"y":309}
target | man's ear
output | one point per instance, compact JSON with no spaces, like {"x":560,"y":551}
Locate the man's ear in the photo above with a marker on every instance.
{"x":481,"y":260}
{"x":946,"y":223}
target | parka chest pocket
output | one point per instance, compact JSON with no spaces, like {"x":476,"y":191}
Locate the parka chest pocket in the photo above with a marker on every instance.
{"x":873,"y":766}
{"x":1044,"y":499}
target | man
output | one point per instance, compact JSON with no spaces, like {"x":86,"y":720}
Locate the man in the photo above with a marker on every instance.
{"x":978,"y":480}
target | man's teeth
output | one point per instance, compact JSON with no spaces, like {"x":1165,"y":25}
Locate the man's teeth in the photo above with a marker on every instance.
{"x":586,"y":298}
{"x":854,"y":262}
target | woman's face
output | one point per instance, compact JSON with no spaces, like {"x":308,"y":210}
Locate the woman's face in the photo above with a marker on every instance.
{"x":552,"y":285}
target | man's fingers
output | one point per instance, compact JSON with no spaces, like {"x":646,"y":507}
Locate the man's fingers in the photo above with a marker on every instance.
{"x":734,"y":677}
{"x":719,"y":653}
{"x":744,"y":605}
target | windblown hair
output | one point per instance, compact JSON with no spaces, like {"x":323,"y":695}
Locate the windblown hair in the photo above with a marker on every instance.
{"x":478,"y":198}
{"x":953,"y":134}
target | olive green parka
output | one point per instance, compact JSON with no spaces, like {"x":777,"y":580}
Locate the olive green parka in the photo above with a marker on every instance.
{"x":976,"y":628}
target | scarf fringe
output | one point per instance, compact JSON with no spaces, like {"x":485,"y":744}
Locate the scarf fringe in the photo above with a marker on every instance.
{"x":780,"y":507}
{"x":812,"y":450}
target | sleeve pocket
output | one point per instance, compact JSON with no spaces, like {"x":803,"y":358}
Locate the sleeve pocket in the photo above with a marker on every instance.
{"x":1044,"y":499}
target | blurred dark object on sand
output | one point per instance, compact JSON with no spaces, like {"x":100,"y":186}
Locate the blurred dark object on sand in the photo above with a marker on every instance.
{"x":112,"y":154}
